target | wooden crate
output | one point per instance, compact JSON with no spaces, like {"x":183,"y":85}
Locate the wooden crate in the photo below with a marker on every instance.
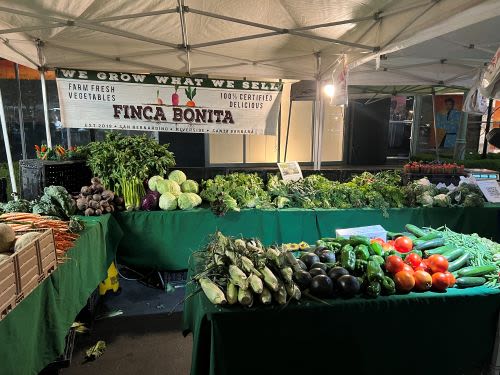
{"x":8,"y":285}
{"x":35,"y":261}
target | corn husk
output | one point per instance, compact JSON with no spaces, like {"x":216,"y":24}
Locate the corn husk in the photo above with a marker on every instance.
{"x":212,"y":291}
{"x":266,"y":296}
{"x":274,"y":256}
{"x":253,"y":248}
{"x":245,"y":297}
{"x":240,"y":245}
{"x":238,"y":277}
{"x":231,"y":293}
{"x":293,"y":291}
{"x":255,"y":283}
{"x":249,"y":267}
{"x":292,"y":262}
{"x":269,"y":279}
{"x":287,"y":274}
{"x":280,"y":295}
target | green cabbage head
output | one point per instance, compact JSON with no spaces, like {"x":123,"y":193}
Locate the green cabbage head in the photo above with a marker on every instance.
{"x":153,"y":181}
{"x":177,"y":176}
{"x":168,"y":202}
{"x":187,"y":201}
{"x":168,"y":186}
{"x":189,"y":186}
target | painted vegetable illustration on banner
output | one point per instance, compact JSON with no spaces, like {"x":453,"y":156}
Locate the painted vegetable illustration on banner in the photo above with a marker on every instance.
{"x":175,"y":96}
{"x":190,"y":93}
{"x":159,"y":101}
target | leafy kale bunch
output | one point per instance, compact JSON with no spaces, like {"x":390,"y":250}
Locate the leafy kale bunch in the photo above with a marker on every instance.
{"x":120,"y":157}
{"x":246,"y":189}
{"x":381,"y":190}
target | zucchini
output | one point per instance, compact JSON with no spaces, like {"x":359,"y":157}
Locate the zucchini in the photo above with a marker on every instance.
{"x":453,"y":254}
{"x":468,"y":282}
{"x":477,"y":271}
{"x":431,"y":244}
{"x":414,"y":230}
{"x":440,"y":250}
{"x":458,"y":263}
{"x":359,"y":240}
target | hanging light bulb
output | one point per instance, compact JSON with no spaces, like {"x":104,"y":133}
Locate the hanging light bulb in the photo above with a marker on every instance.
{"x":329,"y":90}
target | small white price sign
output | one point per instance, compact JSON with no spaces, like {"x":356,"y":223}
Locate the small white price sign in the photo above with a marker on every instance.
{"x":490,"y":189}
{"x":290,"y":171}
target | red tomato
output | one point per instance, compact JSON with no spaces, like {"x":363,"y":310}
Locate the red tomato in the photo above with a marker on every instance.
{"x":407,"y":268}
{"x":403,"y":244}
{"x":438,"y":263}
{"x":379,"y":240}
{"x":413,"y":260}
{"x":394,"y":264}
{"x":423,"y":267}
{"x":440,"y":281}
{"x":451,"y":279}
{"x":391,"y":242}
{"x":423,"y":281}
{"x":404,"y":281}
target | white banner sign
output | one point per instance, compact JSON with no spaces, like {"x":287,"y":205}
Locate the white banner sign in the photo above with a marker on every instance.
{"x":156,"y":102}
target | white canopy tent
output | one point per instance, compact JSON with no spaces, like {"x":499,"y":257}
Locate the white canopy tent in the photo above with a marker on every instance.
{"x":288,"y":39}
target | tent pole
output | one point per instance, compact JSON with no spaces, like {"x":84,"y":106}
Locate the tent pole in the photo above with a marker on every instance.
{"x":316,"y":116}
{"x":7,"y":149}
{"x":185,"y":41}
{"x":20,"y":113}
{"x":436,"y":146}
{"x":288,"y":128}
{"x":45,"y":108}
{"x":487,"y":129}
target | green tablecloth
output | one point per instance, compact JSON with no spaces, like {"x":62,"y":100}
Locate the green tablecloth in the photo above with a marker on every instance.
{"x":165,"y":240}
{"x":33,"y":334}
{"x":419,"y":333}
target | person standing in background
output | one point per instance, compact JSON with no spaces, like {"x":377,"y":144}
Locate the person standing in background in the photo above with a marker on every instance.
{"x":449,"y":120}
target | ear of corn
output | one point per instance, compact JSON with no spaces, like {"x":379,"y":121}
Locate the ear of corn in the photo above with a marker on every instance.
{"x":245,"y":297}
{"x":292,"y":262}
{"x":293,"y":291}
{"x":255,"y":283}
{"x":240,"y":245}
{"x":238,"y":277}
{"x":274,"y":256}
{"x":280,"y":295}
{"x":212,"y":291}
{"x":266,"y":297}
{"x":249,"y":267}
{"x":232,"y":293}
{"x":269,"y":279}
{"x":287,"y":274}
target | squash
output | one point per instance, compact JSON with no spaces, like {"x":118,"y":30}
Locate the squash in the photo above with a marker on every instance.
{"x":25,"y":240}
{"x":7,"y":238}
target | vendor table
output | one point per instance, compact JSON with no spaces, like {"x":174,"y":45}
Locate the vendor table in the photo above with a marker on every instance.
{"x":165,"y":239}
{"x":33,"y":334}
{"x":417,"y":333}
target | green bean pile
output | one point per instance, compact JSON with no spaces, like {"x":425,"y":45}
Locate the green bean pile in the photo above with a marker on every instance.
{"x":482,"y":251}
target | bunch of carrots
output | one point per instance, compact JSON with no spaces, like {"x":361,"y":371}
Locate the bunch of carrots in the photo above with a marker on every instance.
{"x":63,"y":237}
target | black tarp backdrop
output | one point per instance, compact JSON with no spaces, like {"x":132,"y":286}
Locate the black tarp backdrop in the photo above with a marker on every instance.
{"x":368,"y":131}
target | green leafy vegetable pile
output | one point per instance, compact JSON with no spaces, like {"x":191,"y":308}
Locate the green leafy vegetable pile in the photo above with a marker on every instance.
{"x":55,"y":201}
{"x":381,"y":190}
{"x":124,"y":162}
{"x":247,"y":190}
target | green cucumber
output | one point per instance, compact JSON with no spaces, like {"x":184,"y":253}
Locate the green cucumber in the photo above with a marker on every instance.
{"x":431,"y":244}
{"x":468,"y":282}
{"x":440,"y":250}
{"x":418,"y":241}
{"x":431,"y":236}
{"x":359,"y":240}
{"x":458,"y":263}
{"x":393,"y":235}
{"x":453,"y":254}
{"x":415,"y":230}
{"x":477,"y":271}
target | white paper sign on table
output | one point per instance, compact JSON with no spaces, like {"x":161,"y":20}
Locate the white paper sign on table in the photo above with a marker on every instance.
{"x":290,"y":171}
{"x":490,"y":189}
